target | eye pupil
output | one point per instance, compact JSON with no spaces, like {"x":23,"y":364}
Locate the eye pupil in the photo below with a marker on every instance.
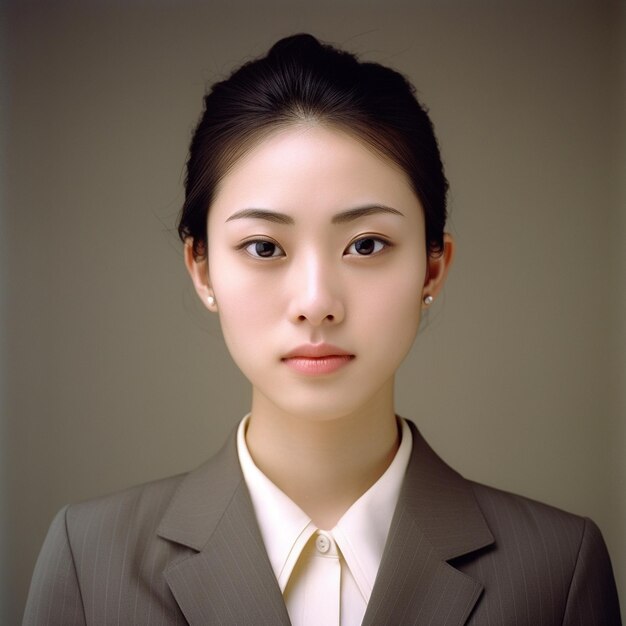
{"x":264,"y":248}
{"x":365,"y":246}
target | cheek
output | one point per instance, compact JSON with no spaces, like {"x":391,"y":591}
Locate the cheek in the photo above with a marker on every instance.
{"x":390,"y":310}
{"x":243,"y":328}
{"x":394,"y":312}
{"x":247,"y":308}
{"x":241,"y":290}
{"x":397,"y":291}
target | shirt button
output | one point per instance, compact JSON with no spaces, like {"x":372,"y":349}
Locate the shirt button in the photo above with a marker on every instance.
{"x":322,"y":543}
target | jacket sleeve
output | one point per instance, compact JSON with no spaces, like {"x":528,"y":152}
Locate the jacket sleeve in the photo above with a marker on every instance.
{"x":592,"y":597}
{"x":54,"y":596}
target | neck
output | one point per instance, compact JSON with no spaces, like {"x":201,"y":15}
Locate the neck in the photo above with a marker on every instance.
{"x":324,"y":465}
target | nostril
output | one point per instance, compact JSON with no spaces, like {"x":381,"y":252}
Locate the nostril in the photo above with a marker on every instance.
{"x":329,"y":317}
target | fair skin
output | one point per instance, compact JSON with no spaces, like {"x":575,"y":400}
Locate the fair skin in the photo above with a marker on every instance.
{"x":322,"y":429}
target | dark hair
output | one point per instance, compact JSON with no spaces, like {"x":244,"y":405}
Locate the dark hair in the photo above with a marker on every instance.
{"x":302,"y":80}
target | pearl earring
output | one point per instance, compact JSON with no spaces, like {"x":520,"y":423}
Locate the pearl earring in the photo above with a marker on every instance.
{"x":211,"y":300}
{"x":428,"y":300}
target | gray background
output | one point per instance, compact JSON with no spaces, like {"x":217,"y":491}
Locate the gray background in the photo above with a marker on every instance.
{"x":112,"y":374}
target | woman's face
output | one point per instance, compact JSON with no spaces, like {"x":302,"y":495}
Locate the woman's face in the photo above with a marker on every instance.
{"x":313,"y":239}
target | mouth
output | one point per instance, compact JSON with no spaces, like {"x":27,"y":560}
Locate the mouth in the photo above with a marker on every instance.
{"x":315,"y":359}
{"x":315,"y":351}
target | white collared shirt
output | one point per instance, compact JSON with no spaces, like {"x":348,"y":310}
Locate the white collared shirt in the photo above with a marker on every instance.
{"x":357,"y":540}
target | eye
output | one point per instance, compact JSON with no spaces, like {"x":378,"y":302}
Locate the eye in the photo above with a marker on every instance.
{"x":262,"y":248}
{"x":367,"y":246}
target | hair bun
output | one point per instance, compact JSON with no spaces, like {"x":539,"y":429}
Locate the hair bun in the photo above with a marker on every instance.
{"x":295,"y":45}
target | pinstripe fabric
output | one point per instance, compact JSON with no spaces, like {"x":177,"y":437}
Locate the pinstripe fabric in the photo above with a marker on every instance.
{"x":547,"y":567}
{"x":232,"y":575}
{"x":114,"y":562}
{"x":54,"y":596}
{"x":187,"y":550}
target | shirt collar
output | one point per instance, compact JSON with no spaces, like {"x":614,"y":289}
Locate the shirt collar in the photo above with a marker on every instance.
{"x":361,"y":533}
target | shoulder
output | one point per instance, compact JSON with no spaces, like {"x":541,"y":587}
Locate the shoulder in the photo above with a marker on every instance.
{"x":119,"y":531}
{"x":517,"y":524}
{"x":140,"y":505}
{"x":556,"y":560}
{"x":107,"y":543}
{"x":536,"y":563}
{"x":543,"y":535}
{"x":513,"y":517}
{"x":106,"y":558}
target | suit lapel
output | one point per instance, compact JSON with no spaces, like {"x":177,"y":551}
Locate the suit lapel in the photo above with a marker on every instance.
{"x":436,"y":520}
{"x":228,"y":578}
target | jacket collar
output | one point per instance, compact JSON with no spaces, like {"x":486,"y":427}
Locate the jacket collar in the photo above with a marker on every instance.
{"x":229,"y":578}
{"x":441,"y":503}
{"x":437,"y":519}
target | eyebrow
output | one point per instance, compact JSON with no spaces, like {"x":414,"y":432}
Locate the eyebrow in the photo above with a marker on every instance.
{"x":353,"y":214}
{"x":339,"y":218}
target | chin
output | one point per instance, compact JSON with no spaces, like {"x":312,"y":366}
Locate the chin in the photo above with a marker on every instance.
{"x":318,"y":405}
{"x":319,"y":413}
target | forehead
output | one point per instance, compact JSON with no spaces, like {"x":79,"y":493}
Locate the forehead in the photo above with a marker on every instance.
{"x":314,"y":170}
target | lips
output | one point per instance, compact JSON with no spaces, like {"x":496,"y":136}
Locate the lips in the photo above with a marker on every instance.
{"x":316,"y":351}
{"x":317,"y":359}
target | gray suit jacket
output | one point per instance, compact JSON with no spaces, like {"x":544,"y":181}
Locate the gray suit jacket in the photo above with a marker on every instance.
{"x":187,"y":549}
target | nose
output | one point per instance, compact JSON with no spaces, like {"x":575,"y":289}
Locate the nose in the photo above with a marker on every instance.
{"x":316,"y":295}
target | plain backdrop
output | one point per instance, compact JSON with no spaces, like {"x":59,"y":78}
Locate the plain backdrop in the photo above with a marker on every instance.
{"x":113,"y":374}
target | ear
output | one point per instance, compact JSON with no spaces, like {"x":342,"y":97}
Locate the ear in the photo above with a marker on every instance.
{"x":198,"y":269}
{"x":437,"y":269}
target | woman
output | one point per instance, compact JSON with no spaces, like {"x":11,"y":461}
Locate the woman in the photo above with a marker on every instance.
{"x":313,"y":225}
